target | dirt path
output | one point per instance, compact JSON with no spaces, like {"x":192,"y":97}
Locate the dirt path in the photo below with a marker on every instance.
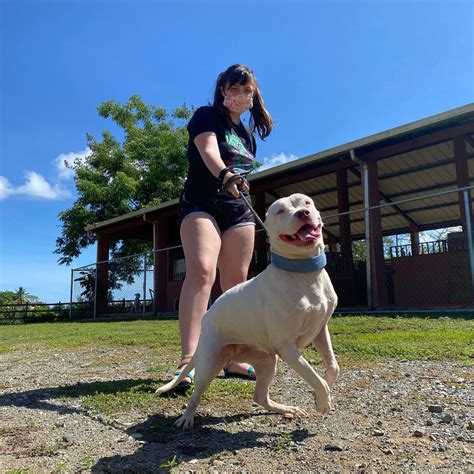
{"x":381,"y":421}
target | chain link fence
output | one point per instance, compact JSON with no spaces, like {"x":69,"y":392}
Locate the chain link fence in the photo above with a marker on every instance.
{"x":129,"y":289}
{"x":425,"y":268}
{"x":411,"y":266}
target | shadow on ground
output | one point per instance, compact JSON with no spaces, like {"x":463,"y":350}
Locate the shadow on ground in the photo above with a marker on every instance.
{"x":162,"y":443}
{"x":41,"y":399}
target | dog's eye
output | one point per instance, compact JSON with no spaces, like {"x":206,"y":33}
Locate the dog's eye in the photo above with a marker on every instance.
{"x":280,"y":211}
{"x":307,"y":203}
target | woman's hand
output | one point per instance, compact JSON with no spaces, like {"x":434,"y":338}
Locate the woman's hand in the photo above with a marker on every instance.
{"x":234,"y":183}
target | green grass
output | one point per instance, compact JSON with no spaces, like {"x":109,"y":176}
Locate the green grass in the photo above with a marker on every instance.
{"x":115,"y":396}
{"x":157,"y":335}
{"x":170,"y":464}
{"x":355,"y":338}
{"x":372,"y":339}
{"x":139,"y":395}
{"x":357,"y":341}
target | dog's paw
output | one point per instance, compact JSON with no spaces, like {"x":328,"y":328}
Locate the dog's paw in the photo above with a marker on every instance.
{"x":285,"y":410}
{"x":293,"y":412}
{"x":323,"y":404}
{"x":185,"y":422}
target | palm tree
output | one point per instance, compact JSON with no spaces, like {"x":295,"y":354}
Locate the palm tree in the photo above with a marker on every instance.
{"x":22,"y":297}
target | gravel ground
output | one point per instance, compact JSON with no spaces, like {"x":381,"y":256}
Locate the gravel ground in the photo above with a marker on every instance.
{"x":408,"y":416}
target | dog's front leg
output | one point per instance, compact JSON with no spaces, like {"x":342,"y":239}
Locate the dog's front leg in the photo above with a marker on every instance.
{"x":323,"y":345}
{"x":208,"y":362}
{"x":265,"y":369}
{"x":293,"y":357}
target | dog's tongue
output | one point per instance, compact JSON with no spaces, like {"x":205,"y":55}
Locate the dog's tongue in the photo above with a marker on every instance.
{"x":307,"y":232}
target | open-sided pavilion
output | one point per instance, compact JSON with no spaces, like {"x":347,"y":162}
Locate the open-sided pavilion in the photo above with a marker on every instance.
{"x":403,"y":181}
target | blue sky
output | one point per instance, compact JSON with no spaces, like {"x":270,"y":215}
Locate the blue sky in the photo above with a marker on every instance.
{"x":330,"y":72}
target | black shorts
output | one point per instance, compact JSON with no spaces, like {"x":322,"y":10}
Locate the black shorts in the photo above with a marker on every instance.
{"x":223,"y":211}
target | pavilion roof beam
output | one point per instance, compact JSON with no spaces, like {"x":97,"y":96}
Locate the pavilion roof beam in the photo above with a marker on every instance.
{"x":417,"y":209}
{"x":405,"y":214}
{"x":416,"y":142}
{"x":470,"y":139}
{"x":297,"y":176}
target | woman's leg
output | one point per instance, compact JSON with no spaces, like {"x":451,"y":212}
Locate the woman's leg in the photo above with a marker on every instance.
{"x":235,"y":255}
{"x":201,"y":243}
{"x":234,"y":261}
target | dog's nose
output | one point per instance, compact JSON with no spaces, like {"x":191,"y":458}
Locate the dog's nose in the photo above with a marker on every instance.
{"x":302,"y":214}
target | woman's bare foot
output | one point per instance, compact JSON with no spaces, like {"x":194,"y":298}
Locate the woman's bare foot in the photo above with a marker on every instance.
{"x":188,"y":380}
{"x":239,"y":369}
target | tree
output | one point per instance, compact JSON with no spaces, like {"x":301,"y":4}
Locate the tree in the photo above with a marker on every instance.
{"x":87,"y":283}
{"x":438,"y":234}
{"x":22,"y":296}
{"x":359,"y":250}
{"x":148,"y":168}
{"x":7,"y":297}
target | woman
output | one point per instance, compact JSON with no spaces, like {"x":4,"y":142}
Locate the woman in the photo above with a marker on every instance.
{"x":217,"y":229}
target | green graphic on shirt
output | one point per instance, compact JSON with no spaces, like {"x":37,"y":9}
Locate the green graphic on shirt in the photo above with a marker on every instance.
{"x":241,"y":157}
{"x":233,"y":140}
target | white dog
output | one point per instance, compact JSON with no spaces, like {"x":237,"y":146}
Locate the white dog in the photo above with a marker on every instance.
{"x":275,"y":314}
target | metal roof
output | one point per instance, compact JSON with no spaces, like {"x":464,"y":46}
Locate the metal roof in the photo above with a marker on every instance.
{"x":411,"y":174}
{"x":421,"y":173}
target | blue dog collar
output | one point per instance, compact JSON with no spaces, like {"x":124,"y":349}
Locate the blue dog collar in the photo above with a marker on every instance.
{"x":300,"y":265}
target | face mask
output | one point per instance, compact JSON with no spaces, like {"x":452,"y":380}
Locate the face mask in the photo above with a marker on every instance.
{"x":238,"y":103}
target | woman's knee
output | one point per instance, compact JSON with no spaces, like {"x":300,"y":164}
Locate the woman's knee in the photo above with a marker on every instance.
{"x":201,"y":277}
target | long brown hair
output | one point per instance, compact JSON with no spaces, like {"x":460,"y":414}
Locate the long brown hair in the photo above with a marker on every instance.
{"x":260,"y":119}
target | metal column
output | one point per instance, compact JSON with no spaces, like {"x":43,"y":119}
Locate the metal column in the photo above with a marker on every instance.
{"x":367,"y":237}
{"x":144,"y":284}
{"x":70,"y":294}
{"x":95,"y":290}
{"x":467,"y":210}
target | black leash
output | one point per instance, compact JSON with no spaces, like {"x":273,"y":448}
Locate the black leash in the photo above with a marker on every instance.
{"x":253,"y":211}
{"x":223,"y":188}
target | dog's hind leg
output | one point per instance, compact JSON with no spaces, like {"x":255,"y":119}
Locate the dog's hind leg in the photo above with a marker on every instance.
{"x":323,"y":345}
{"x":265,"y":369}
{"x":293,"y":357}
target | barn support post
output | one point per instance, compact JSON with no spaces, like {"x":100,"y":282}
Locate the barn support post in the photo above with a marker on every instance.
{"x":160,"y":265}
{"x":468,"y":214}
{"x":345,"y":237}
{"x":102,"y":276}
{"x":414,"y":239}
{"x":70,"y":294}
{"x":144,"y":284}
{"x":462,"y":172}
{"x":365,"y":184}
{"x":260,"y":235}
{"x":375,"y":255}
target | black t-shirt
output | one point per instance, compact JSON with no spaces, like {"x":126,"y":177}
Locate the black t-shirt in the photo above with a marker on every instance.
{"x":237,"y":147}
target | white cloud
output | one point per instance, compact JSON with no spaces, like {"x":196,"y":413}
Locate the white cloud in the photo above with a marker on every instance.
{"x":6,"y":188}
{"x":37,"y":186}
{"x":65,"y":172}
{"x":276,"y":160}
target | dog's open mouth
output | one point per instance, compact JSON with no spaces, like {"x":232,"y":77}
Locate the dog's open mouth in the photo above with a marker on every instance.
{"x":307,"y":235}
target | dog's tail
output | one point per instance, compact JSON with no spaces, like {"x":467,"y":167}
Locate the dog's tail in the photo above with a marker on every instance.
{"x":177,"y":379}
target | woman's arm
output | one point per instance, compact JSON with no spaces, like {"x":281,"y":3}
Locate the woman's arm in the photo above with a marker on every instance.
{"x":206,"y":143}
{"x":208,"y":148}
